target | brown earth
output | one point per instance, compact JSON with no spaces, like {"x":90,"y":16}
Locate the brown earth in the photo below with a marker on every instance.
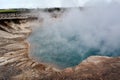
{"x":16,"y":63}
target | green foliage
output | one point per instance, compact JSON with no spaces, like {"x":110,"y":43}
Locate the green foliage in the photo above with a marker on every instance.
{"x":7,"y":10}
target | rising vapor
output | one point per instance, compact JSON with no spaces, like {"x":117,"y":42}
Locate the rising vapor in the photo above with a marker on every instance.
{"x":78,"y":34}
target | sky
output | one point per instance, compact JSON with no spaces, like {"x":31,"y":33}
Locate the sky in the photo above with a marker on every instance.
{"x":46,"y":3}
{"x":40,"y":3}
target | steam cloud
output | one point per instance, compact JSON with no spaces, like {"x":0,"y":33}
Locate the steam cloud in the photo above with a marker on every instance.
{"x":95,"y":30}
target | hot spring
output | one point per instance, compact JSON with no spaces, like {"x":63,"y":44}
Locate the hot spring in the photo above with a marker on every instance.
{"x":76,"y":35}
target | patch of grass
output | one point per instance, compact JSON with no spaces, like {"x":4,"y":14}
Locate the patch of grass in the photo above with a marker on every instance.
{"x":7,"y":10}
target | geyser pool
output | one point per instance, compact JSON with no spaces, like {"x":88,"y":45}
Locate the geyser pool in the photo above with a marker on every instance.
{"x":77,"y":35}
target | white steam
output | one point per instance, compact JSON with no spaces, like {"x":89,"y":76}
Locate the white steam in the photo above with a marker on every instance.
{"x":78,"y":31}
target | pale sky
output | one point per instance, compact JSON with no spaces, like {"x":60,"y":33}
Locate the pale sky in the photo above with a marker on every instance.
{"x":40,"y":3}
{"x":44,"y":3}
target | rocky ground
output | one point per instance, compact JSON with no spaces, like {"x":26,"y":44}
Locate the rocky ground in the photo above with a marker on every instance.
{"x":16,"y":63}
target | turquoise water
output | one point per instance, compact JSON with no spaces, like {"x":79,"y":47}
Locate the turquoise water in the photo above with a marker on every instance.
{"x":62,"y":49}
{"x":77,"y":35}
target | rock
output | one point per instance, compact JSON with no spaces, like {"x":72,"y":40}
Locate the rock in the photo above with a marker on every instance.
{"x":14,"y":55}
{"x":68,"y":70}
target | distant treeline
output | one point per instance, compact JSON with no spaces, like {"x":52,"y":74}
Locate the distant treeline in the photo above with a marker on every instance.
{"x":25,"y":10}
